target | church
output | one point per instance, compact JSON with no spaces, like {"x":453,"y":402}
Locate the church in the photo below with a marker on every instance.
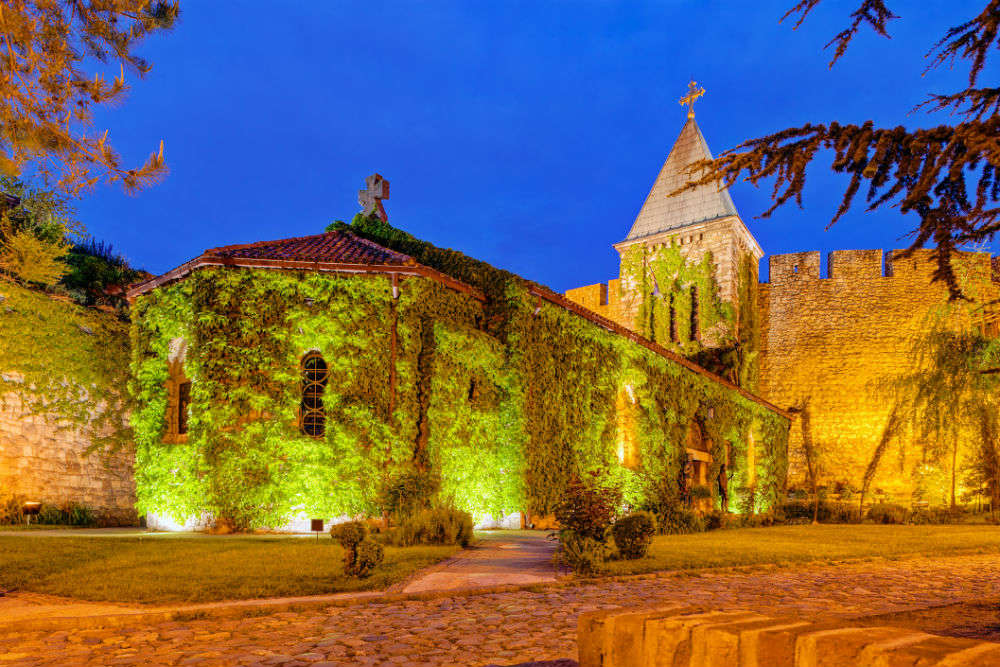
{"x":330,"y":375}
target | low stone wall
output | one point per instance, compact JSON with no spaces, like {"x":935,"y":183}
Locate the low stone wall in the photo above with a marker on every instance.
{"x":679,"y":637}
{"x":48,"y":462}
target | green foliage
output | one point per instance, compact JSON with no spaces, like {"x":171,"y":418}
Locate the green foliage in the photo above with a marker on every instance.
{"x":633,"y":534}
{"x":367,"y":557}
{"x":66,"y":363}
{"x":588,"y":508}
{"x":491,"y":408}
{"x":31,"y":259}
{"x":679,"y":520}
{"x":68,"y":514}
{"x":361,"y":553}
{"x":439,"y":525}
{"x":407,"y":494}
{"x":664,"y":281}
{"x":96,"y":274}
{"x":888,"y":513}
{"x":349,"y":534}
{"x":584,"y":554}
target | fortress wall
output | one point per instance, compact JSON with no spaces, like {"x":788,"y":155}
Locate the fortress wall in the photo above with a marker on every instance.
{"x":42,"y":460}
{"x":825,"y":340}
{"x":605,"y":299}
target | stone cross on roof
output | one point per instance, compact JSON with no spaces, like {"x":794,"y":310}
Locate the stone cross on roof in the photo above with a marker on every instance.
{"x":376,"y":189}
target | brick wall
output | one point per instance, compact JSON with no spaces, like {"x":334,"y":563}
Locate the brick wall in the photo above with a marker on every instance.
{"x":42,"y":461}
{"x":826,"y":340}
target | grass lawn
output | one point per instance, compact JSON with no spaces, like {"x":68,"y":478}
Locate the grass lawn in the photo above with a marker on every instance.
{"x":166,"y":569}
{"x":798,"y":544}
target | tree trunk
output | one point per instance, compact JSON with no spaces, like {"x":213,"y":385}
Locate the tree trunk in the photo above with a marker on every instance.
{"x":954,"y":471}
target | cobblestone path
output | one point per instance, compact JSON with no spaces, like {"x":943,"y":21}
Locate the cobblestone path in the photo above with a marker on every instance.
{"x":502,"y":628}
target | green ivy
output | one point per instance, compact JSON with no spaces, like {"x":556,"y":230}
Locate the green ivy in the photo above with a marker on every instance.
{"x":503,"y":402}
{"x":67,"y":363}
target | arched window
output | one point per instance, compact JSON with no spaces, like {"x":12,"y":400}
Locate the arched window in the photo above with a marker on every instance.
{"x":312,"y":417}
{"x":695,"y":308}
{"x":178,"y":394}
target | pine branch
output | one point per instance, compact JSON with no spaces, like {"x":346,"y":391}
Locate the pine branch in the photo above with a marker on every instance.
{"x":923,"y":171}
{"x":872,"y":12}
{"x":971,"y":40}
{"x":46,"y":98}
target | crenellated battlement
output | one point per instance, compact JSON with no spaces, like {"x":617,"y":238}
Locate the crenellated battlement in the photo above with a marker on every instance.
{"x":871,"y":265}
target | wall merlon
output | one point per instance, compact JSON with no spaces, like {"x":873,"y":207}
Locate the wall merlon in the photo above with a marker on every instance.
{"x":855,"y":264}
{"x":795,"y":265}
{"x":922,"y":264}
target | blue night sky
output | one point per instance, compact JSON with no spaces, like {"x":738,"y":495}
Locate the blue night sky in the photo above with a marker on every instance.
{"x":526,"y":134}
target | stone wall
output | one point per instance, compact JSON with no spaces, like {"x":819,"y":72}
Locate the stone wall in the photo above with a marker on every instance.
{"x":826,"y":341}
{"x":44,"y":461}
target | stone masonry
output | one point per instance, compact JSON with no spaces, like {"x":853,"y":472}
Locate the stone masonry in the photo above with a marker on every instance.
{"x":826,"y":344}
{"x":41,"y":460}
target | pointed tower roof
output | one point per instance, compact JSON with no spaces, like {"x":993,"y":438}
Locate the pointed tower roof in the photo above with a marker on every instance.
{"x":660,"y":212}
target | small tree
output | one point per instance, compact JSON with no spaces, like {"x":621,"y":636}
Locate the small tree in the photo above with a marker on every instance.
{"x":25,"y":256}
{"x":950,"y":395}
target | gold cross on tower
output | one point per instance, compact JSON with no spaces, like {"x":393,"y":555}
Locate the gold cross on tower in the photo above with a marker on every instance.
{"x":694,"y":92}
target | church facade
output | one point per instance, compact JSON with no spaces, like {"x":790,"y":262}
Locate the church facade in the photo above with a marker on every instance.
{"x":342,"y":373}
{"x":821,"y":342}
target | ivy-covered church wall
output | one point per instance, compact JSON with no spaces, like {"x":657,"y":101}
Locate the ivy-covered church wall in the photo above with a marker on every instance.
{"x":64,"y":432}
{"x":490,"y":406}
{"x":413,"y":387}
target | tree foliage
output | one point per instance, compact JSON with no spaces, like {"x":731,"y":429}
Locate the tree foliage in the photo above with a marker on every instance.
{"x":946,"y":175}
{"x":47,"y":97}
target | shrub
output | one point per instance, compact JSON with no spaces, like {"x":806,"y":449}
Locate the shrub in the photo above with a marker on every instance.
{"x":936,"y":516}
{"x":677,"y":520}
{"x":350,"y":533}
{"x":584,"y":554}
{"x":588,"y":508}
{"x":442,"y":525}
{"x":633,"y":534}
{"x":367,"y":556}
{"x":11,"y":510}
{"x":361,"y":553}
{"x":799,"y":511}
{"x":69,"y":514}
{"x":407,"y":494}
{"x":887,"y":513}
{"x":717,"y":520}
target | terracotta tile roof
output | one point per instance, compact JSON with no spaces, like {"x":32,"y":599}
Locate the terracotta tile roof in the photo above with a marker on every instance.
{"x":331,"y":247}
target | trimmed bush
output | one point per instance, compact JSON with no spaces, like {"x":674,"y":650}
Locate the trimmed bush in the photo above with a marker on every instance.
{"x":367,"y":556}
{"x":361,"y":553}
{"x":633,"y":534}
{"x":442,"y":525}
{"x":888,"y":513}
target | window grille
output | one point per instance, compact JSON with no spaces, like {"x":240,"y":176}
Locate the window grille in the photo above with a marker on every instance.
{"x":312,"y":417}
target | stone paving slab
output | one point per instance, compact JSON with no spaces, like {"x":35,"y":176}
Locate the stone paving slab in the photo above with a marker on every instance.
{"x":508,"y":628}
{"x":507,"y":561}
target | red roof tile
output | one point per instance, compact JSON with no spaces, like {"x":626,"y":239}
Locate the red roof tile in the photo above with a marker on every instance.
{"x":331,"y":247}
